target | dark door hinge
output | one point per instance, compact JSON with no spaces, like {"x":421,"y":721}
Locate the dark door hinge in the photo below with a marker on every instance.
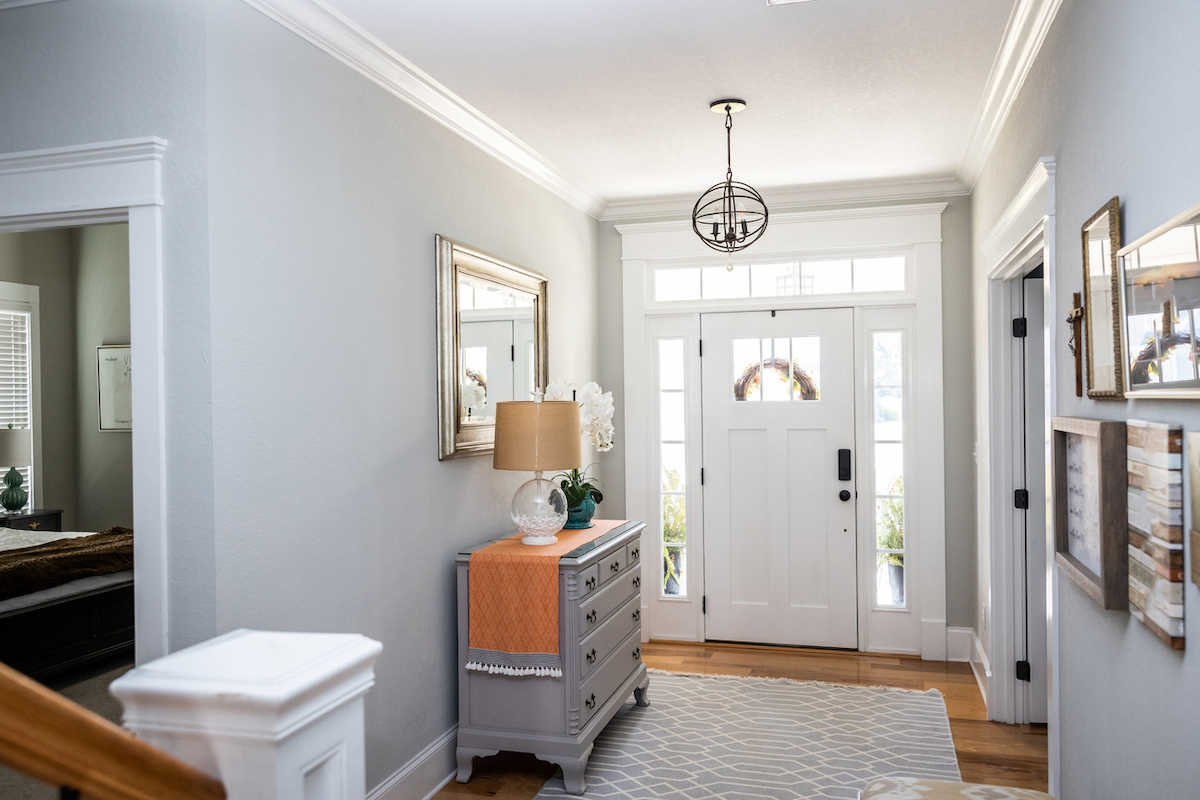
{"x":512,"y":352}
{"x":702,"y":348}
{"x":1023,"y":673}
{"x":1020,"y":327}
{"x":702,"y":476}
{"x":704,"y":604}
{"x":1021,"y":498}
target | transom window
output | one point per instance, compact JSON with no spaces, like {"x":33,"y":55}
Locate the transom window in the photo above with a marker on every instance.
{"x":785,"y":279}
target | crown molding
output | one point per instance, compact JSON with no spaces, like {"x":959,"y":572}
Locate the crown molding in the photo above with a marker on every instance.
{"x":88,"y":155}
{"x":7,"y":4}
{"x":324,"y":27}
{"x":783,"y":200}
{"x":870,"y":212}
{"x":1027,"y":29}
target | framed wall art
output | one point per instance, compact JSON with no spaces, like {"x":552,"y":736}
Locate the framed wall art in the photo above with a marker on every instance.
{"x":1089,"y":498}
{"x":1193,"y":462}
{"x":1160,"y":310}
{"x":115,"y":383}
{"x":1102,"y":312}
{"x":1156,"y":528}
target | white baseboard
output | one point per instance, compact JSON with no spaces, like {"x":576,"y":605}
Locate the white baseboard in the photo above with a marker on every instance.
{"x":980,"y":666}
{"x":423,"y":776}
{"x":959,"y":643}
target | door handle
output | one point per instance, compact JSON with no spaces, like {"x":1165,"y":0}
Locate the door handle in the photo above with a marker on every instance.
{"x":844,"y":495}
{"x":843,"y":465}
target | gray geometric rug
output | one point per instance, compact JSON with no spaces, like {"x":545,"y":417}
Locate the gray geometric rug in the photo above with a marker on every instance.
{"x":724,"y":737}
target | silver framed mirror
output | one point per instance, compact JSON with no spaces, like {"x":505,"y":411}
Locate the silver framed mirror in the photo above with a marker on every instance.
{"x":492,"y":343}
{"x":1102,"y":307}
{"x":1160,"y":309}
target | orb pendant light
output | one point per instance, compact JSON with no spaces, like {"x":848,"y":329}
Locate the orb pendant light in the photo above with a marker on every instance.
{"x":731,"y":215}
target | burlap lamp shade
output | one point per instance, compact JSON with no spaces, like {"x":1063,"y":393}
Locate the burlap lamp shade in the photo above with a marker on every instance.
{"x":536,"y":437}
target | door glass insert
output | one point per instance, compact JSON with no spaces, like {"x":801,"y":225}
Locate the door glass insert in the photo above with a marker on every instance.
{"x":777,"y":370}
{"x":672,"y":452}
{"x":887,"y":377}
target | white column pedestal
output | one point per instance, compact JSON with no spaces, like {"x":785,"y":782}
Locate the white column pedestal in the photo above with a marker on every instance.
{"x":273,"y":716}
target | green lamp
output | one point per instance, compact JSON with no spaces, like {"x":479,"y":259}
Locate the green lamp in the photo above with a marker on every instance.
{"x":16,"y":447}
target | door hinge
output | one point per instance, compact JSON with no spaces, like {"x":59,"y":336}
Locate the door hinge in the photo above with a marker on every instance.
{"x":1023,"y":673}
{"x":702,"y":476}
{"x":1020,"y":328}
{"x":512,"y":353}
{"x":704,"y":604}
{"x":1021,"y":498}
{"x":701,"y":348}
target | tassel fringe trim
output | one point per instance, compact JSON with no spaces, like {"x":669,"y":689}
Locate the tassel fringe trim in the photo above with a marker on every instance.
{"x":495,"y":669}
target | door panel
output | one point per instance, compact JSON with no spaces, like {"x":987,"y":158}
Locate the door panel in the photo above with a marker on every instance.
{"x":778,"y":403}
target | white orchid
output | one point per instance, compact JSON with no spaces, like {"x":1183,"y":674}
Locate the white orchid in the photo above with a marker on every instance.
{"x":473,"y":395}
{"x":595,"y":410}
{"x":558,"y":390}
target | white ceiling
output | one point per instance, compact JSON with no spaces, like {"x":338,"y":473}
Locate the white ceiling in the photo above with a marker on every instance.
{"x":615,"y":93}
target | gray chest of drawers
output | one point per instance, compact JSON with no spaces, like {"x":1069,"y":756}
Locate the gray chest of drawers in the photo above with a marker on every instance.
{"x":599,"y":640}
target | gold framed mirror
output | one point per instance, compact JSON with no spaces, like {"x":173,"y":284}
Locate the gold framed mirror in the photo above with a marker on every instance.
{"x":491,"y":343}
{"x":1101,"y":303}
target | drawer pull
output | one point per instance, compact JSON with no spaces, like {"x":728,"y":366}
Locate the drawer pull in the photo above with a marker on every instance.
{"x":637,"y":581}
{"x":635,"y":552}
{"x":590,"y":583}
{"x":33,"y":526}
{"x":637,"y":654}
{"x":615,"y":566}
{"x":637,"y":614}
{"x":592,"y":616}
{"x":590,"y":702}
{"x":591,"y":657}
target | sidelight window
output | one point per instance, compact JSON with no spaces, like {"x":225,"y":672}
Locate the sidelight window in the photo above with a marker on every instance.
{"x":887,"y":376}
{"x":672,"y":448}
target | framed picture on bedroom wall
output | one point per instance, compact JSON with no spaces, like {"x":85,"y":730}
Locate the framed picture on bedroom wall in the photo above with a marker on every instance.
{"x":114,"y":379}
{"x":1090,"y":496}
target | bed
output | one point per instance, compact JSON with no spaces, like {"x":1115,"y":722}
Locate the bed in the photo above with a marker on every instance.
{"x":66,"y":598}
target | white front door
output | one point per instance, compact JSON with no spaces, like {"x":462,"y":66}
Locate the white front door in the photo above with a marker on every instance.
{"x":778,"y":405}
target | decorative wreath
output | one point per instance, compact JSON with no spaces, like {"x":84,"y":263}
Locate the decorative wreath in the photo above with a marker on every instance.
{"x":808,"y":387}
{"x":1147,"y":360}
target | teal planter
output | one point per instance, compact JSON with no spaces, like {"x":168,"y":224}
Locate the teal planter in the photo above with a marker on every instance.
{"x":580,"y":516}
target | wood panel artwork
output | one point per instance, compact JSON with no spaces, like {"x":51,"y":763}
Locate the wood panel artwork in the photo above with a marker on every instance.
{"x":1156,"y":528}
{"x":1089,"y":507}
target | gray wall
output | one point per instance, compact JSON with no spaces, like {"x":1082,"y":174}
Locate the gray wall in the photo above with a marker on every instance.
{"x":43,"y":259}
{"x":1113,"y":97}
{"x":332,"y":512}
{"x":100,"y":271}
{"x":958,"y":393}
{"x":80,"y":71}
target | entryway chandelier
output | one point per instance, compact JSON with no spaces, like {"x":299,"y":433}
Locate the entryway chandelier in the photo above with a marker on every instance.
{"x":731,"y":215}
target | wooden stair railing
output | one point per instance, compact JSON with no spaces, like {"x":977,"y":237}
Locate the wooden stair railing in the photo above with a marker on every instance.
{"x":47,"y":737}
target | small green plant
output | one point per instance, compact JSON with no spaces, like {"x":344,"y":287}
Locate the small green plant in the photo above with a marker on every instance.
{"x":674,"y":510}
{"x":577,"y":485}
{"x":669,"y":570}
{"x":891,"y":524}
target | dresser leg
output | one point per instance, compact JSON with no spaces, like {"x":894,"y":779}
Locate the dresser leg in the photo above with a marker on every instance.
{"x":573,"y":769}
{"x":642,"y":693}
{"x":465,"y":755}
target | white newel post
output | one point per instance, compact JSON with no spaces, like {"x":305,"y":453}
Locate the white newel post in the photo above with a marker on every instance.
{"x":273,"y":716}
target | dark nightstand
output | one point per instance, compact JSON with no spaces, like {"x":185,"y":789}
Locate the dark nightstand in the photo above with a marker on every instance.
{"x":37,"y":519}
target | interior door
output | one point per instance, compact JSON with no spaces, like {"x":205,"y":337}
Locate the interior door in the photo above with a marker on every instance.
{"x":1033,"y":520}
{"x":488,"y":356}
{"x":778,"y":405}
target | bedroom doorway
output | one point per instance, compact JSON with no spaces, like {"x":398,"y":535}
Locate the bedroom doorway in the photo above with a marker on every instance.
{"x":779,"y":499}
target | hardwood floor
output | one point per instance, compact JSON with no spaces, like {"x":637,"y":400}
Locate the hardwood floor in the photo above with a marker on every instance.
{"x":988,"y":752}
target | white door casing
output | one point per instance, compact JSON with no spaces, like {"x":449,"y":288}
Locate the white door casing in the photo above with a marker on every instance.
{"x":779,"y":544}
{"x":913,"y":230}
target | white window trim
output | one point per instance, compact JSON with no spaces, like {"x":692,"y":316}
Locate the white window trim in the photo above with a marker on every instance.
{"x":23,"y":297}
{"x":914,"y":230}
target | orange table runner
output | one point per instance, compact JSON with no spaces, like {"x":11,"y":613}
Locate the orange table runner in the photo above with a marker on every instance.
{"x":513,"y":591}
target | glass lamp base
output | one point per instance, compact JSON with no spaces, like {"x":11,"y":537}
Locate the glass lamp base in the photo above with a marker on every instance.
{"x":539,"y":510}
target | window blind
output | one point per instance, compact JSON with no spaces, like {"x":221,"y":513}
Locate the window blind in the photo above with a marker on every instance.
{"x":16,"y":384}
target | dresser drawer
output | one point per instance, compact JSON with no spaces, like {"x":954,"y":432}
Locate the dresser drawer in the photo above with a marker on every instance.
{"x":597,"y":608}
{"x":589,"y":580}
{"x":609,"y":675}
{"x":596,"y":647}
{"x":612,"y":565}
{"x":633,"y":551}
{"x":36,"y":522}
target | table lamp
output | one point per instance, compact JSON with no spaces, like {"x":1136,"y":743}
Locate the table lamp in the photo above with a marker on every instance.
{"x":533,"y":436}
{"x":16,"y":449}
